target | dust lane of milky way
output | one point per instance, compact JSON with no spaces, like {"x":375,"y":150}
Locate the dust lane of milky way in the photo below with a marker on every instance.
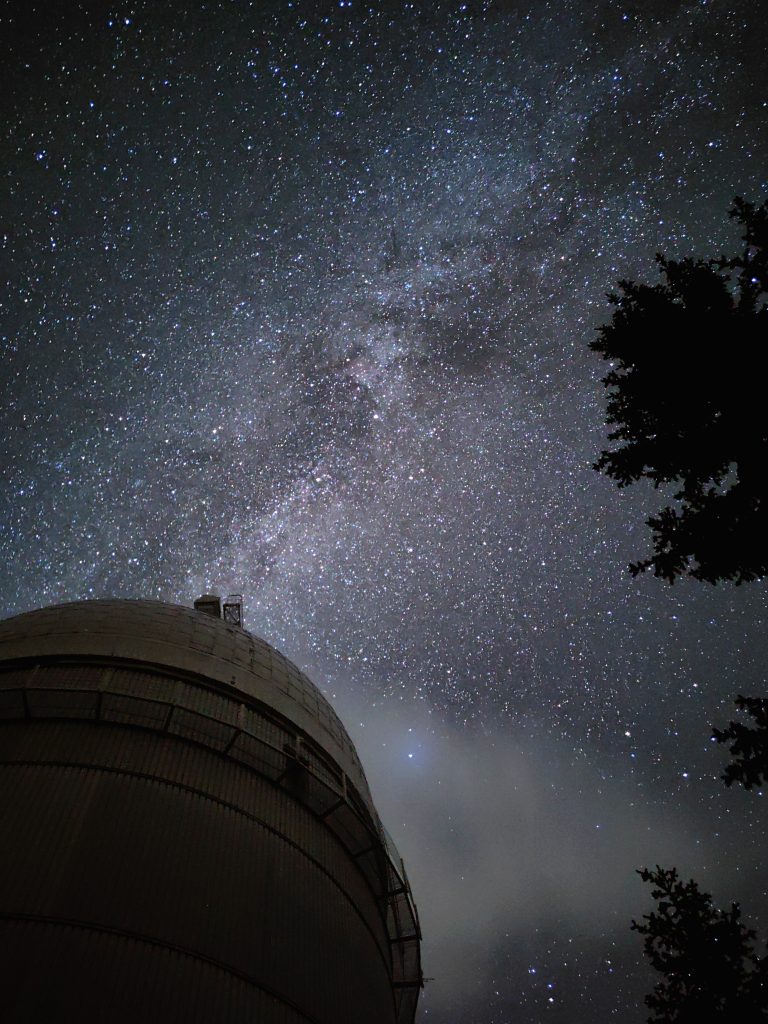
{"x":297,"y":303}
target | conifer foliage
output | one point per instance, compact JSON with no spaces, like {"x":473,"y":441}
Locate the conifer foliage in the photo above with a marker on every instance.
{"x":710,"y":969}
{"x":749,"y":745}
{"x":688,"y":406}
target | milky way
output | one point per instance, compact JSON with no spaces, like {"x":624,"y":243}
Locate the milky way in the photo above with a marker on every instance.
{"x":297,"y":304}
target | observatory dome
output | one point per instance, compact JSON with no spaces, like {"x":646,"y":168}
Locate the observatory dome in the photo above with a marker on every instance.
{"x":189,"y":834}
{"x":175,"y":637}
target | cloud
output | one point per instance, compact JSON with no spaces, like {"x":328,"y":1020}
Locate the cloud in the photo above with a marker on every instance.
{"x":507,"y":837}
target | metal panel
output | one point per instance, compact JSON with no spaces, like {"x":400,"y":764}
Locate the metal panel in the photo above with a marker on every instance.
{"x":300,"y":768}
{"x":176,"y":637}
{"x":174,"y":787}
{"x":140,"y":753}
{"x":133,"y":855}
{"x":175,"y":988}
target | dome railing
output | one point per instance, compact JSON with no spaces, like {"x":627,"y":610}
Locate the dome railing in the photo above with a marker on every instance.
{"x":239,"y":728}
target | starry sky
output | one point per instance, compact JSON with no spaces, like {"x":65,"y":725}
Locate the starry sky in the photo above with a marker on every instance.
{"x":296,"y":302}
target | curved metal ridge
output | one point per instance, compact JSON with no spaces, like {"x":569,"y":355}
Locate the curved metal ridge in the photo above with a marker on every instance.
{"x":149,"y":940}
{"x":244,"y":730}
{"x":176,"y":639}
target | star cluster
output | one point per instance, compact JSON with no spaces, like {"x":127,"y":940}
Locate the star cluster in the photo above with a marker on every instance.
{"x":297,"y":304}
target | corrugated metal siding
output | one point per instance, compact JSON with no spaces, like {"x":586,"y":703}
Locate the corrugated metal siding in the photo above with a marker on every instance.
{"x":152,"y":858}
{"x":56,"y":972}
{"x":156,"y":828}
{"x":177,"y":763}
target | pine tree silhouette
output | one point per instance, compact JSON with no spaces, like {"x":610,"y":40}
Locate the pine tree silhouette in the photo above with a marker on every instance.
{"x":710,"y":970}
{"x":687,"y":402}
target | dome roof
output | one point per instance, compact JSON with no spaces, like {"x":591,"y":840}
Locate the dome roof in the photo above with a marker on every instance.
{"x":174,"y":637}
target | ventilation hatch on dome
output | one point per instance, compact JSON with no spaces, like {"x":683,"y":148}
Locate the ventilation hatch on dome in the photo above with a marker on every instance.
{"x":230,"y":610}
{"x":233,"y":609}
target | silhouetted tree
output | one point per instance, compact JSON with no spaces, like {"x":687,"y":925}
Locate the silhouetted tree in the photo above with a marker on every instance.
{"x":706,"y":956}
{"x":749,"y":745}
{"x":689,"y":406}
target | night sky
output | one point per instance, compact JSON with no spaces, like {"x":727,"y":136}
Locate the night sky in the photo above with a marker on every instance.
{"x":296,"y":302}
